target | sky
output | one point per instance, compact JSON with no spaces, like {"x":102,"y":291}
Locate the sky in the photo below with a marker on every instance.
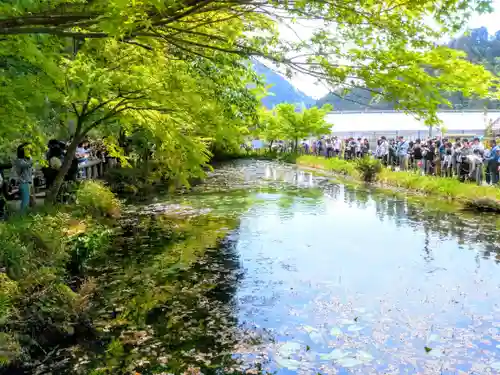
{"x":309,"y":86}
{"x":491,"y":21}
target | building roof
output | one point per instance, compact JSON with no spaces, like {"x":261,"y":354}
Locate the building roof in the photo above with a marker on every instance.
{"x":397,"y":121}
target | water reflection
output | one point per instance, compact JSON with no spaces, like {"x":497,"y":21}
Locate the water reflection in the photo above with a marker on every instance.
{"x":287,"y":174}
{"x":367,"y":282}
{"x":315,"y":278}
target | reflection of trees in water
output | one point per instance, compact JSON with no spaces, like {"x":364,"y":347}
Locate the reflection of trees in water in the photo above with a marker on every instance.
{"x":198,"y":325}
{"x":461,"y":226}
{"x":357,"y":198}
{"x":333,"y":190}
{"x":428,"y":257}
{"x":168,"y":305}
{"x":293,"y":185}
{"x":434,"y":222}
{"x":290,"y":176}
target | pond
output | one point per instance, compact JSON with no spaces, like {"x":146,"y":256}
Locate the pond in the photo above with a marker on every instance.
{"x":312,"y":276}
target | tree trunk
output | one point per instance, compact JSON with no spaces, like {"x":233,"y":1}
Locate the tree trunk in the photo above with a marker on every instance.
{"x":296,"y":144}
{"x":271,"y":146}
{"x":66,"y":165}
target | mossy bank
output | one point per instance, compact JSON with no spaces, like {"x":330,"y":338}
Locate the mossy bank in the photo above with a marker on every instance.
{"x":81,"y":284}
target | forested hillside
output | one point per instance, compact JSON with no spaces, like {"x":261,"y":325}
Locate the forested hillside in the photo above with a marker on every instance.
{"x":481,"y":48}
{"x":281,"y":91}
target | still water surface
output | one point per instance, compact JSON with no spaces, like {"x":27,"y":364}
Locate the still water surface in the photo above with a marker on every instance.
{"x":331,"y":279}
{"x":265,"y":268}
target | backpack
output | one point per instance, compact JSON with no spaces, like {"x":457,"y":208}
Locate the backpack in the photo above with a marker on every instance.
{"x":417,"y":152}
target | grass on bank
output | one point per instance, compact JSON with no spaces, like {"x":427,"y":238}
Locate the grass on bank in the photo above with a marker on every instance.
{"x":43,"y":256}
{"x":450,"y":188}
{"x":77,"y":283}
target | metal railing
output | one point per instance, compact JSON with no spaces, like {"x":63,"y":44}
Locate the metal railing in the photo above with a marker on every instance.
{"x":92,"y":169}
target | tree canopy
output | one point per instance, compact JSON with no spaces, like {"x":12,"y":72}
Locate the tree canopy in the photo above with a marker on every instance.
{"x":287,"y":122}
{"x":480,"y":47}
{"x":387,"y":48}
{"x":179,"y":71}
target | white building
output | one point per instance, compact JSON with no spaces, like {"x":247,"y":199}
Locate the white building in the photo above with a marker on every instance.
{"x":391,"y":124}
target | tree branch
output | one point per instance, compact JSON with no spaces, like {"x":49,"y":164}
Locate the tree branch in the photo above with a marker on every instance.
{"x":75,"y":109}
{"x":46,"y":20}
{"x":101,"y":120}
{"x":186,"y":31}
{"x":145,"y":46}
{"x":86,"y":103}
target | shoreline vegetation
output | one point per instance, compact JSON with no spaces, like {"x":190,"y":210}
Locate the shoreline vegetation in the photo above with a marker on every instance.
{"x":480,"y":198}
{"x":69,"y":291}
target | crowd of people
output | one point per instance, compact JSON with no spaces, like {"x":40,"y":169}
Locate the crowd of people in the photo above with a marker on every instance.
{"x":463,"y":158}
{"x":26,"y":175}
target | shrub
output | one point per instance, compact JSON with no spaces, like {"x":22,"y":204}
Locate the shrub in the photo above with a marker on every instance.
{"x":332,"y":164}
{"x":27,"y":241}
{"x":87,"y":246}
{"x":37,"y":253}
{"x":95,"y":198}
{"x":368,"y":168}
{"x":287,"y":157}
{"x":10,"y":350}
{"x":45,"y":306}
{"x":8,"y":291}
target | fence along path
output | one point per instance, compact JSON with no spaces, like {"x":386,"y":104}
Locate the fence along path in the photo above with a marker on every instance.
{"x":90,"y":170}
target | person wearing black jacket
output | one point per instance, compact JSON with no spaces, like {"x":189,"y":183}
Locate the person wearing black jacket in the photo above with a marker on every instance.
{"x":4,"y":190}
{"x":418,"y":156}
{"x":430,"y":155}
{"x":54,"y":156}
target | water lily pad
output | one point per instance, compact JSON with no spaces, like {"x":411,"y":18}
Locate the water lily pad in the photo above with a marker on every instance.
{"x":355,"y":328}
{"x":289,"y":348}
{"x":335,"y":331}
{"x":349,"y":362}
{"x":290,"y":364}
{"x":334,"y":355}
{"x":364,"y":356}
{"x":316,"y":337}
{"x":433,"y":337}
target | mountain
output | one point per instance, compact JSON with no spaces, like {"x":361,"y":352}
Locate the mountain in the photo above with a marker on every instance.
{"x":284,"y":91}
{"x":481,"y":48}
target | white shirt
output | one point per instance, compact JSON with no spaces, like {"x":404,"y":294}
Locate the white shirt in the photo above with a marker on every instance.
{"x":81,"y":150}
{"x":384,"y":148}
{"x":479,"y":147}
{"x":337,"y":144}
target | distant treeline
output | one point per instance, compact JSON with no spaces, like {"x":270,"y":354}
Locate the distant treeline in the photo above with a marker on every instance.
{"x":481,"y":48}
